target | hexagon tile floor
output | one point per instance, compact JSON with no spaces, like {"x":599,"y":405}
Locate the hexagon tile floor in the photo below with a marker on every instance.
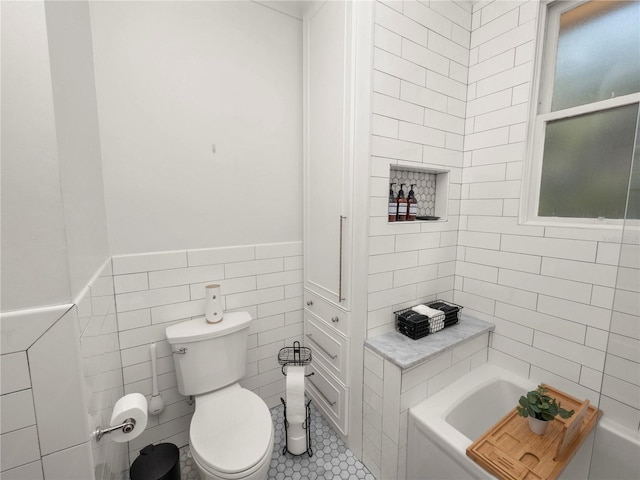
{"x":331,"y":458}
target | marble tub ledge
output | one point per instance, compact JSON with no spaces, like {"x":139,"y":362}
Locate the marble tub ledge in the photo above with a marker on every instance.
{"x":406,"y":353}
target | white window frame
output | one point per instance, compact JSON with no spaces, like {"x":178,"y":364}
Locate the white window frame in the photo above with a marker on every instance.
{"x":541,"y":114}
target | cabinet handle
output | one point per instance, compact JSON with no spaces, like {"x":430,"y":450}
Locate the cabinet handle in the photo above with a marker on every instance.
{"x":322,"y":394}
{"x":333,"y":357}
{"x":340,"y":298}
{"x":309,"y":303}
{"x":335,"y":319}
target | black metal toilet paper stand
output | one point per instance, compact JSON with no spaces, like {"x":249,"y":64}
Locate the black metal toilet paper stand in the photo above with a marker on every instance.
{"x":297,"y":356}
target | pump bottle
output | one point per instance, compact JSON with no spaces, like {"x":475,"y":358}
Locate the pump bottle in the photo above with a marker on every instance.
{"x":393,"y":204}
{"x":402,"y":205}
{"x":412,"y":203}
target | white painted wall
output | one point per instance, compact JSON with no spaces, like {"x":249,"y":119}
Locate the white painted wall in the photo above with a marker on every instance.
{"x":172,"y":79}
{"x":53,"y":243}
{"x":34,"y":249}
{"x":76,"y":116}
{"x":53,"y":215}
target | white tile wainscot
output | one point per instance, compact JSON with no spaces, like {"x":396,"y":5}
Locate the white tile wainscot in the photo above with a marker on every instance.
{"x":400,"y":373}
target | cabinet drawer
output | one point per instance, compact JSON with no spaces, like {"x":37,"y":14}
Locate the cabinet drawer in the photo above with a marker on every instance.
{"x":328,"y":347}
{"x":329,"y":395}
{"x":327,"y":312}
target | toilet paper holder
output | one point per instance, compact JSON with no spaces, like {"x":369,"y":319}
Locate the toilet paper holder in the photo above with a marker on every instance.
{"x":127,"y":427}
{"x":300,"y":357}
{"x":296,"y":355}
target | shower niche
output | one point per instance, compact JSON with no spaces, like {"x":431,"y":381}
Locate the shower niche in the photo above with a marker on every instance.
{"x":430,"y":187}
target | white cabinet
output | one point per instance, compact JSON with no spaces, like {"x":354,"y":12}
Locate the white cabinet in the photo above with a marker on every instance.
{"x":337,"y":111}
{"x":327,"y":150}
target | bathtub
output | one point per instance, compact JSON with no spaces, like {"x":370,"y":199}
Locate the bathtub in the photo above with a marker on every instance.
{"x":442,"y":427}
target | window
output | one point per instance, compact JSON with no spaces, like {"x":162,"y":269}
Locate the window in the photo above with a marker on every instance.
{"x":586,"y":122}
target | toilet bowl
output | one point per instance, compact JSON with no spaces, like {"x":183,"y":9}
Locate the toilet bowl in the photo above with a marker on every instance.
{"x":231,"y":435}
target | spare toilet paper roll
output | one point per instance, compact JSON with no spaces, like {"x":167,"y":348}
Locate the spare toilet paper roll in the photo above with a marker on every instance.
{"x":213,"y":306}
{"x":296,"y":410}
{"x":133,"y":405}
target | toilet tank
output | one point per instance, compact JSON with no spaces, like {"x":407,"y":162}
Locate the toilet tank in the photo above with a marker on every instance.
{"x":208,"y":356}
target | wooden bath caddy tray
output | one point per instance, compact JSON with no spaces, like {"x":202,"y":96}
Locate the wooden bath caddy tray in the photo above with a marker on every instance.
{"x":510,"y":451}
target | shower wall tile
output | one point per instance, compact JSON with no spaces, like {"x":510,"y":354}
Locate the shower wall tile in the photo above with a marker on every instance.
{"x":619,"y":412}
{"x":134,"y":319}
{"x":75,"y":462}
{"x":14,"y":373}
{"x":551,"y":300}
{"x":577,"y":291}
{"x":568,"y":249}
{"x":387,"y":40}
{"x":228,"y":287}
{"x":150,"y":298}
{"x":16,"y":411}
{"x":56,"y":367}
{"x":19,"y":447}
{"x":386,"y":414}
{"x":602,"y":297}
{"x":176,"y":311}
{"x":580,"y":271}
{"x":30,"y":471}
{"x":184,"y":276}
{"x":293,"y":263}
{"x":21,"y":329}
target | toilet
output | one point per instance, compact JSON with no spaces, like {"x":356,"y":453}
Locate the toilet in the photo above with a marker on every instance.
{"x":231,"y":433}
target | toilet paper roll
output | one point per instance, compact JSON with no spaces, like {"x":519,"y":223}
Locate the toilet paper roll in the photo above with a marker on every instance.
{"x":133,"y":405}
{"x":213,"y":306}
{"x":296,"y":439}
{"x":296,"y":412}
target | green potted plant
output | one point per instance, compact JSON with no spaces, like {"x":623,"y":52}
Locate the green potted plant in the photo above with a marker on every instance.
{"x":540,"y":408}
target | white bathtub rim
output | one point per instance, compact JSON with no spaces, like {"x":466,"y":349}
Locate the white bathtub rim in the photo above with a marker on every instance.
{"x":430,"y":415}
{"x":620,"y":430}
{"x":440,"y":405}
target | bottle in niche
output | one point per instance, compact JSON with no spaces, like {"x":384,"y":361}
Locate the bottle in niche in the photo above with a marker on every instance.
{"x":402,"y":205}
{"x":393,"y":204}
{"x":412,"y":203}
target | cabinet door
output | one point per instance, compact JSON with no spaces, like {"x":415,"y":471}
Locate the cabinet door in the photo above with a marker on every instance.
{"x":327,"y":150}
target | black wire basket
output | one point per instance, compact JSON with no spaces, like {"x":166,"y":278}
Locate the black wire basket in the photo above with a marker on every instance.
{"x":415,"y":325}
{"x":295,"y":355}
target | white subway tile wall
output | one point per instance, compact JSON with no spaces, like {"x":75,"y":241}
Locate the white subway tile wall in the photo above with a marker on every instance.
{"x":153,"y":291}
{"x":102,"y":369}
{"x":77,"y":353}
{"x":549,"y":290}
{"x":420,"y":66}
{"x":389,"y":392}
{"x":421,"y":58}
{"x":452,"y":85}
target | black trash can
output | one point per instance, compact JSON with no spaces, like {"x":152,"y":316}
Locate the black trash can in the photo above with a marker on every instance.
{"x":157,"y":462}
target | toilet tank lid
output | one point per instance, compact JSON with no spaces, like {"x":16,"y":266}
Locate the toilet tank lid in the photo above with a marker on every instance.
{"x":198,"y":329}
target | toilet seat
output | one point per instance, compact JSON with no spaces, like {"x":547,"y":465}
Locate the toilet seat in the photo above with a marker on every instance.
{"x":231,"y":432}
